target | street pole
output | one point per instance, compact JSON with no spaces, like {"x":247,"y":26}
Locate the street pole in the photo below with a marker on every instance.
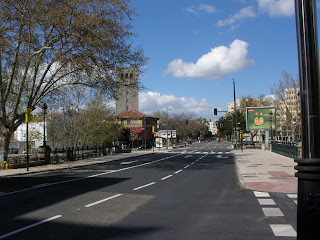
{"x":44,"y":107}
{"x":308,"y":208}
{"x":145,"y":133}
{"x":27,"y":142}
{"x":235,"y":111}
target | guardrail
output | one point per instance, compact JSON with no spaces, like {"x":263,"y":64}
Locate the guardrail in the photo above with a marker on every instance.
{"x":288,"y":149}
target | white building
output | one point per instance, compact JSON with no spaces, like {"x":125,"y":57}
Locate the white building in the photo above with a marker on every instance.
{"x":230,"y":106}
{"x":212,"y":127}
{"x":35,"y":132}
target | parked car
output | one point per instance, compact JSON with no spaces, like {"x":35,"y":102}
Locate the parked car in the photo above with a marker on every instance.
{"x":58,"y":150}
{"x":13,"y":150}
{"x":149,"y":145}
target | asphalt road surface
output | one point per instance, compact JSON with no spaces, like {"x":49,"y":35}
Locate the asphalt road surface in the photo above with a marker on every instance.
{"x":189,"y":193}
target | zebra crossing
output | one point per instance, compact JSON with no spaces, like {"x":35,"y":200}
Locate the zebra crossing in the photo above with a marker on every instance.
{"x":271,"y":209}
{"x":212,"y":152}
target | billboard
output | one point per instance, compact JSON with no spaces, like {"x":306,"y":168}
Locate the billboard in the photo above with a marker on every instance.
{"x":260,"y":118}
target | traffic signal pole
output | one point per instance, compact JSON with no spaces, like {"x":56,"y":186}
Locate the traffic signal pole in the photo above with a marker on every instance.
{"x":308,"y":208}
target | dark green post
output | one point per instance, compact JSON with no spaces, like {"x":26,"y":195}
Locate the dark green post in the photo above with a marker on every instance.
{"x":308,"y":211}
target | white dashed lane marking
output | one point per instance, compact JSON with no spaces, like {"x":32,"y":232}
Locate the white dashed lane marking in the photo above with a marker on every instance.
{"x":166,"y":177}
{"x":147,"y":185}
{"x":103,"y":200}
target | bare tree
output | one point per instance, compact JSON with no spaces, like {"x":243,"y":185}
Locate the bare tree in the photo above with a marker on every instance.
{"x":46,"y":45}
{"x":64,"y":117}
{"x":286,"y":91}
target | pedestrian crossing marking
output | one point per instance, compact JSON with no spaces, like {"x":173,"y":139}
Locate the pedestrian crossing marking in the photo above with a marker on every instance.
{"x":261,"y":194}
{"x":283,"y":230}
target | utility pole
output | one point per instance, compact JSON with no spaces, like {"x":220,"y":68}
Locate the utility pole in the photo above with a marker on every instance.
{"x":235,"y":111}
{"x":308,"y":208}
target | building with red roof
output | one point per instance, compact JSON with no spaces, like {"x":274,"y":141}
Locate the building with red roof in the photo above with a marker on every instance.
{"x":141,"y":126}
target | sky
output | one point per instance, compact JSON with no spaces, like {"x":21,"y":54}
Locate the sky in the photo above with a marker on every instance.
{"x":197,"y":47}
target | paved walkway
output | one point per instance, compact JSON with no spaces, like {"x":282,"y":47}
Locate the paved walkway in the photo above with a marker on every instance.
{"x":257,"y":169}
{"x":266,"y":171}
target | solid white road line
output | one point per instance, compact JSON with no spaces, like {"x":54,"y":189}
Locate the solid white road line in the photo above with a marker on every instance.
{"x":103,"y":200}
{"x":149,"y":184}
{"x":30,"y":226}
{"x":164,"y":178}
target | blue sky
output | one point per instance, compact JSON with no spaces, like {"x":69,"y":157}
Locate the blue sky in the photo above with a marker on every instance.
{"x":196,"y":48}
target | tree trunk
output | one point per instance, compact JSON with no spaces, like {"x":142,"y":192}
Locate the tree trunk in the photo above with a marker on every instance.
{"x":5,"y":136}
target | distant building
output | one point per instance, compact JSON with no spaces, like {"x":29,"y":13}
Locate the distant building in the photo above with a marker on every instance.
{"x":212,"y":126}
{"x":127,"y":95}
{"x":288,"y":116}
{"x":35,"y":132}
{"x":140,"y":126}
{"x":230,"y":106}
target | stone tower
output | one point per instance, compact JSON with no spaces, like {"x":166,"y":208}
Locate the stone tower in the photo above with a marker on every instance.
{"x":127,"y":97}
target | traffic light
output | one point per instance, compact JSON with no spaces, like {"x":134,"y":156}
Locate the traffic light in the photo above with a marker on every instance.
{"x":215,"y":111}
{"x":28,"y":115}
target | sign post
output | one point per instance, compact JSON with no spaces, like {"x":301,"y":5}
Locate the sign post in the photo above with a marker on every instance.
{"x":261,"y":118}
{"x":28,"y":117}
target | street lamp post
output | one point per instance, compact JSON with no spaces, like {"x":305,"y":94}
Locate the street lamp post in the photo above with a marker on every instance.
{"x":44,"y":108}
{"x":168,"y":141}
{"x":235,"y":111}
{"x":270,"y":115}
{"x":308,"y":208}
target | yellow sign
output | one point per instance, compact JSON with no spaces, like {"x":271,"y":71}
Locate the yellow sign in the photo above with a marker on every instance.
{"x":28,"y":115}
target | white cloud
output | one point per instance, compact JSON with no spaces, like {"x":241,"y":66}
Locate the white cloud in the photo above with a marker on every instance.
{"x":216,"y":64}
{"x":202,"y":7}
{"x":149,"y":102}
{"x":246,"y":12}
{"x":191,"y":10}
{"x":207,"y":8}
{"x":277,"y":8}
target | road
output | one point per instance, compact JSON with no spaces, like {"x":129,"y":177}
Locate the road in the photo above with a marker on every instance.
{"x":188,"y":193}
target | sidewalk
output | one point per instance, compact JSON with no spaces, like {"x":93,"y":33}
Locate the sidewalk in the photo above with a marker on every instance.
{"x":266,"y":171}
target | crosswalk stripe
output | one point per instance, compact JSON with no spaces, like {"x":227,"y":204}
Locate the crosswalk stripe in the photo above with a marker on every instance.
{"x":283,"y":230}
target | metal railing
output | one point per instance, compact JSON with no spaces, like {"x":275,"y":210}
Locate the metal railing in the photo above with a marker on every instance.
{"x":288,"y":149}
